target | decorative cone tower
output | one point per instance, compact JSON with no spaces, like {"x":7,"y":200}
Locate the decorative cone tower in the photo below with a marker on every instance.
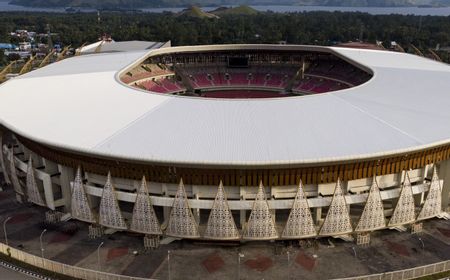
{"x":300,"y":223}
{"x":221,"y":224}
{"x":261,"y":225}
{"x":404,"y":212}
{"x":13,"y":172}
{"x":372,"y":217}
{"x":33,"y":193}
{"x":110,"y":215}
{"x":432,"y":205}
{"x":337,"y":221}
{"x":181,"y":220}
{"x":144,"y":216}
{"x":80,"y":208}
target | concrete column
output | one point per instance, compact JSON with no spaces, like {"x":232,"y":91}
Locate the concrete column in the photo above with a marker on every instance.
{"x":421,"y":198}
{"x":444,"y":174}
{"x":67,"y":176}
{"x":3,"y":162}
{"x":197,"y":210}
{"x":317,"y":212}
{"x":273,"y":213}
{"x":273,"y":191}
{"x":317,"y":215}
{"x":242,"y":213}
{"x":166,"y":209}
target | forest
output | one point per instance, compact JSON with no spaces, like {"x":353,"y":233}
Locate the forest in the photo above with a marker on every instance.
{"x":136,"y":4}
{"x":320,"y":28}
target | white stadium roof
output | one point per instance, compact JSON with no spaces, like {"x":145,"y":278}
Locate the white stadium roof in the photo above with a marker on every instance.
{"x":80,"y":105}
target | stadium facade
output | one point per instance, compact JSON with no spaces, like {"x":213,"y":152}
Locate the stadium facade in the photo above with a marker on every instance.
{"x":229,"y":142}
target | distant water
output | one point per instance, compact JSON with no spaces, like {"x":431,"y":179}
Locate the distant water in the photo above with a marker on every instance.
{"x":6,"y":7}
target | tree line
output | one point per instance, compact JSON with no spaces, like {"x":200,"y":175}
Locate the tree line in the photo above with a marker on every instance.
{"x":321,"y":28}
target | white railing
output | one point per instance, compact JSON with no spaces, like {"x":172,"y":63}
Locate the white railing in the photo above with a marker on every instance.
{"x":65,"y":269}
{"x":83,"y":273}
{"x":405,"y":274}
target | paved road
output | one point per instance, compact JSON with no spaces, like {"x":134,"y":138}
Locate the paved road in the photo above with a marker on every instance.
{"x":6,"y":274}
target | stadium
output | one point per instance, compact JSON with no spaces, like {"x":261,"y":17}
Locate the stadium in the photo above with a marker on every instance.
{"x":232,"y":142}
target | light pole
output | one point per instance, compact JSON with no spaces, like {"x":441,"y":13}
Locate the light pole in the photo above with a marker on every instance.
{"x":168,"y":263}
{"x":98,"y":255}
{"x":421,"y":241}
{"x":4,"y":229}
{"x":240,"y":255}
{"x":288,"y":265}
{"x":40,"y":242}
{"x":354,"y":251}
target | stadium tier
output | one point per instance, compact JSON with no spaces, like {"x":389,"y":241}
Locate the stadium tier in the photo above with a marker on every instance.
{"x":231,"y":142}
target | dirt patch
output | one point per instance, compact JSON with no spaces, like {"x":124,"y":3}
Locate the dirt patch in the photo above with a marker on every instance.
{"x":444,"y":231}
{"x":305,"y":261}
{"x":3,"y":196}
{"x":60,"y":237}
{"x":116,"y":253}
{"x":20,"y":218}
{"x":213,"y":263}
{"x":259,"y":263}
{"x":397,"y":248}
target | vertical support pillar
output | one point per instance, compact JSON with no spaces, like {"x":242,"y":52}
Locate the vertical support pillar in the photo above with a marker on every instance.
{"x":273,"y":192}
{"x":67,"y":176}
{"x":2,"y":161}
{"x":242,"y":214}
{"x":317,"y":212}
{"x":166,"y":209}
{"x":197,"y":210}
{"x":444,"y":174}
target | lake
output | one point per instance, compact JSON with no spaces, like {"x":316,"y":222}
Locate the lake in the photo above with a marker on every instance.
{"x":6,"y":7}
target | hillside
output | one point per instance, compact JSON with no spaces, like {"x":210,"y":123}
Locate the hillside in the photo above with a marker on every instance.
{"x":239,"y":10}
{"x":135,"y":4}
{"x":196,"y":12}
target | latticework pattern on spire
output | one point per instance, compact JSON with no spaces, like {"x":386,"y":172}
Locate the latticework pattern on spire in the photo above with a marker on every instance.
{"x":337,"y":221}
{"x":432,"y":206}
{"x":144,"y":216}
{"x":300,"y":223}
{"x":261,"y":225}
{"x":221,"y":224}
{"x":2,"y":163}
{"x":110,"y":215}
{"x":372,"y":217}
{"x":81,"y":209}
{"x":33,"y":192}
{"x":13,"y":172}
{"x":404,"y":210}
{"x":181,"y":221}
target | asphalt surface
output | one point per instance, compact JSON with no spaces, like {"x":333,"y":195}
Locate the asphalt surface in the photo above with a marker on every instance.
{"x":7,"y":274}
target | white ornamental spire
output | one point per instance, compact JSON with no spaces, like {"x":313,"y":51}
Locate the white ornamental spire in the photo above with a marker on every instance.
{"x":110,"y":215}
{"x":404,"y":210}
{"x":432,"y":205}
{"x":13,"y":172}
{"x":337,"y":221}
{"x":372,"y":217}
{"x":2,"y":163}
{"x":181,"y":221}
{"x":221,"y":224}
{"x":33,"y":192}
{"x":261,"y":225}
{"x":300,"y":223}
{"x":144,"y":216}
{"x":81,"y":209}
